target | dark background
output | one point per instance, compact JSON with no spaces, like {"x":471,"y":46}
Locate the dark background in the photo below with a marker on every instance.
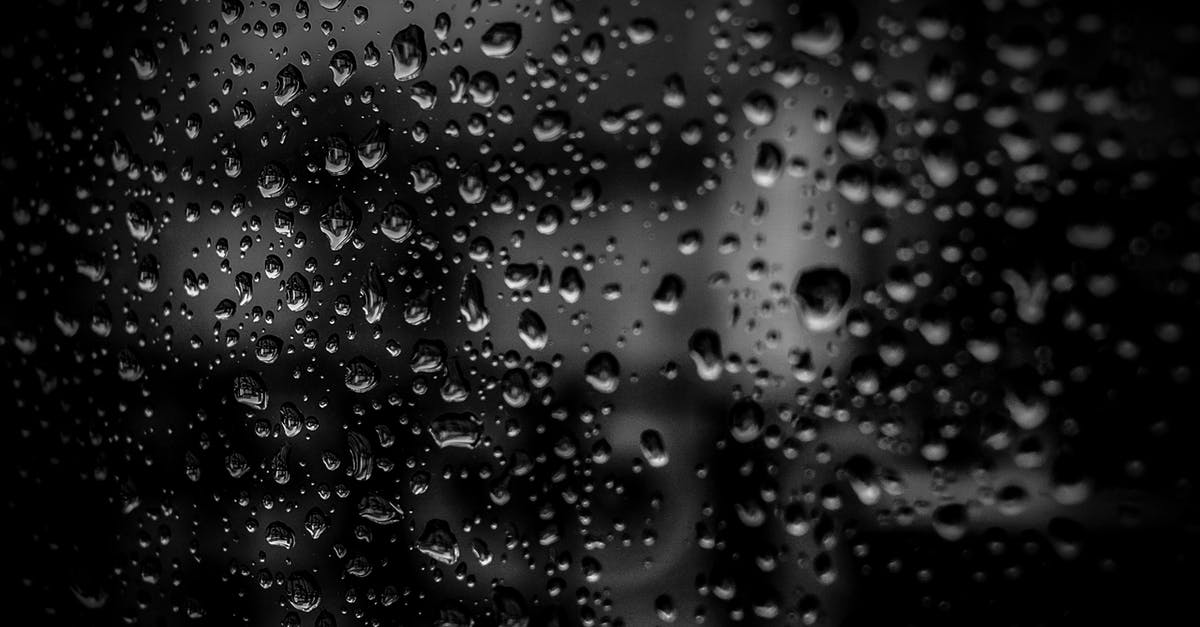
{"x":107,"y":526}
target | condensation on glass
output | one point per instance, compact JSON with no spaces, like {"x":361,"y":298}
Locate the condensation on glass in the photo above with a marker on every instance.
{"x":599,"y":313}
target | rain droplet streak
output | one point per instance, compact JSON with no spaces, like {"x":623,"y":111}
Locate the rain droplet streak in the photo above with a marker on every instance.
{"x":409,"y":54}
{"x":823,"y":293}
{"x":501,"y":40}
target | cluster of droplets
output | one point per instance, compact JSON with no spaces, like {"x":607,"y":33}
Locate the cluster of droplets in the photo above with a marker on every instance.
{"x":900,"y":370}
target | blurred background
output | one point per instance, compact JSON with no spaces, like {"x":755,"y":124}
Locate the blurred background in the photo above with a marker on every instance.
{"x":589,"y":313}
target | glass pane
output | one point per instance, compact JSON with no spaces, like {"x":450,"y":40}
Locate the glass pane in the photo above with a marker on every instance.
{"x":560,"y":312}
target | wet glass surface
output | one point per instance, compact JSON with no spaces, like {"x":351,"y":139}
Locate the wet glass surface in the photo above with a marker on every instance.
{"x":599,"y":313}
